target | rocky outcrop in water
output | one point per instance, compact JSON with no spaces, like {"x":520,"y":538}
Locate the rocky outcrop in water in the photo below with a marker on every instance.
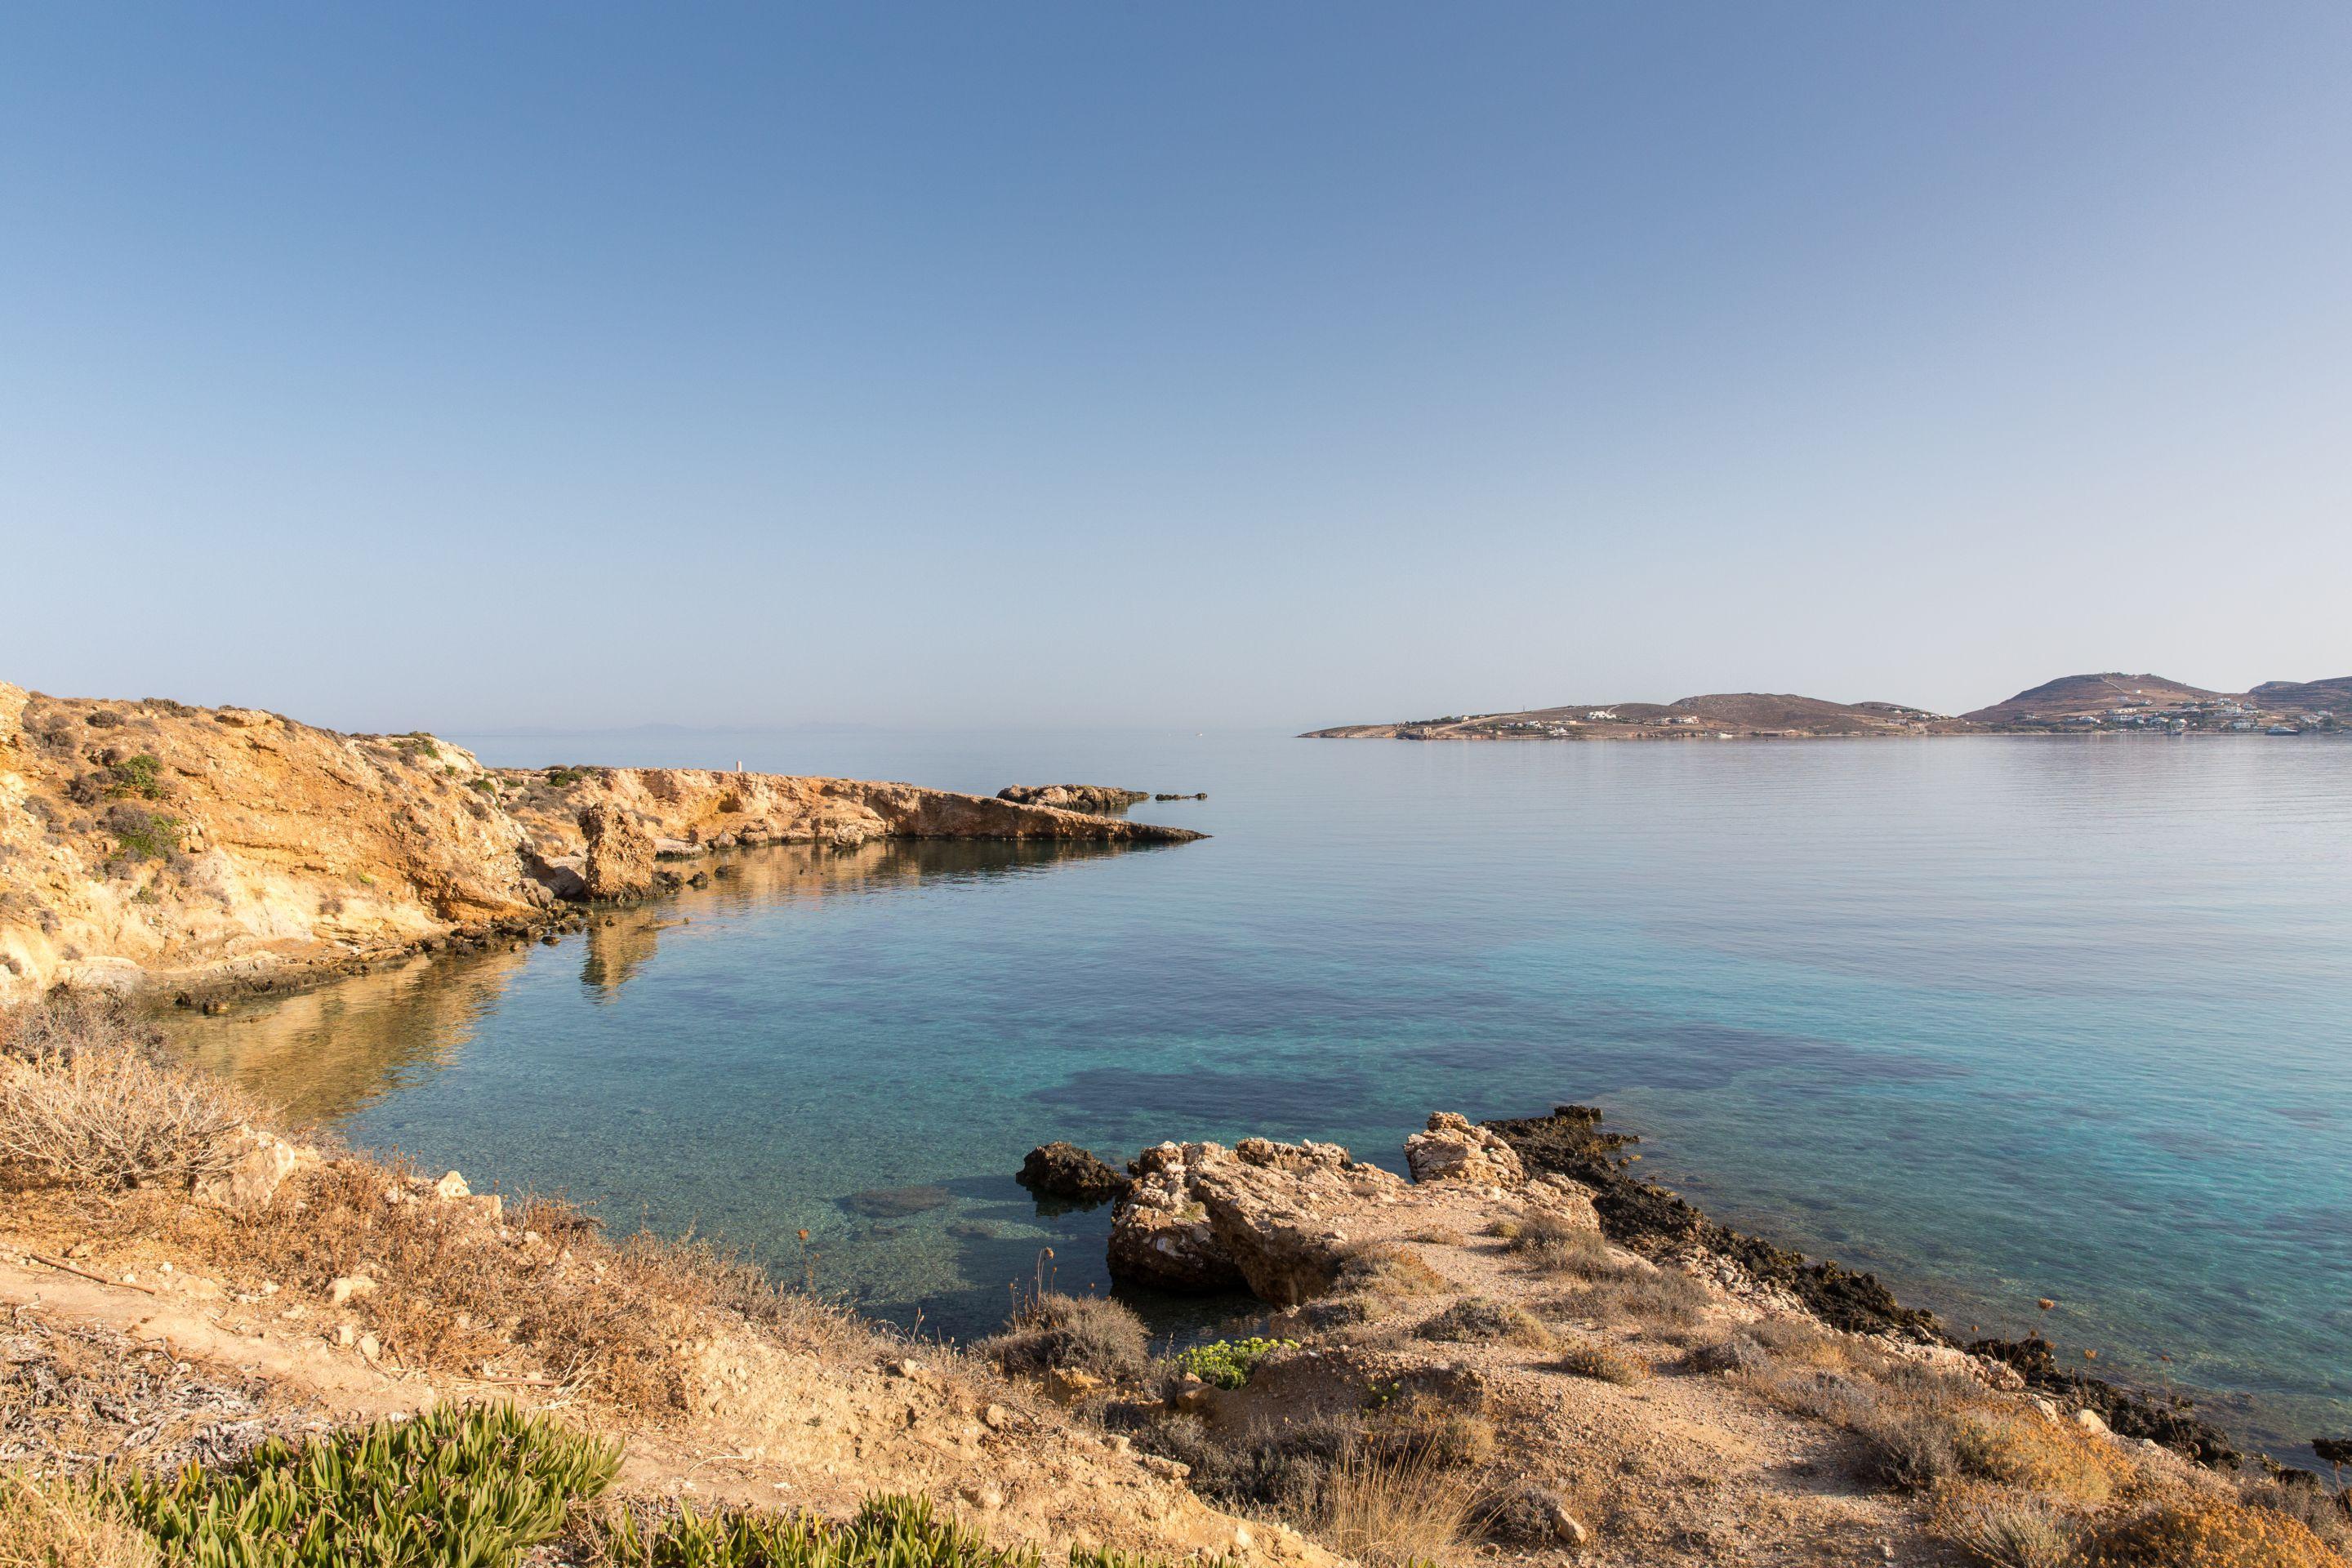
{"x":1075,"y":797}
{"x":1062,"y":1170}
{"x":689,"y":811}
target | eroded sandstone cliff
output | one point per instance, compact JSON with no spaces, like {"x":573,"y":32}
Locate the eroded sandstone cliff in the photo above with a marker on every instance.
{"x":151,"y":843}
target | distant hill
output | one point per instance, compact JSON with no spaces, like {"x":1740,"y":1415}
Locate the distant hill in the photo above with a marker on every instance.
{"x":1739,"y":714}
{"x":2334,"y":695}
{"x":2073,"y":695}
{"x":2112,"y":700}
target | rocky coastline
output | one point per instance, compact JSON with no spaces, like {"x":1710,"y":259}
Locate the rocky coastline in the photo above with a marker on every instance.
{"x":1628,"y":1380}
{"x":1269,"y":1218}
{"x":156,"y":846}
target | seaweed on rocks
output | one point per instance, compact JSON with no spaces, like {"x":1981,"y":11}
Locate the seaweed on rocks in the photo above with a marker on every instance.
{"x":1658,"y":1223}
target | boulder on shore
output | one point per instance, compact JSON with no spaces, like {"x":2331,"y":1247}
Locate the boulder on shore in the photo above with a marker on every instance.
{"x":1062,"y":1170}
{"x":1453,"y":1150}
{"x":620,"y":854}
{"x":1201,"y":1217}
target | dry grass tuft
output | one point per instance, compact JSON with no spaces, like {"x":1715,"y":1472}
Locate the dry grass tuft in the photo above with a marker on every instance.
{"x":542,"y":1293}
{"x":50,"y":1523}
{"x":1050,"y":1332}
{"x":1387,"y":1272}
{"x":1667,"y":1299}
{"x":1549,"y":1242}
{"x":1600,"y":1360}
{"x":2210,"y":1532}
{"x":2002,"y":1530}
{"x":1481,"y":1320}
{"x":1394,"y":1510}
{"x":1440,"y":1432}
{"x":106,"y":1115}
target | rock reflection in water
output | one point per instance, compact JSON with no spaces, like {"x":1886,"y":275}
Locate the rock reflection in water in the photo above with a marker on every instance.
{"x":327,"y":1053}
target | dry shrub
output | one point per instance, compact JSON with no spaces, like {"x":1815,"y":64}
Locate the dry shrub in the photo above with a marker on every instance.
{"x":1527,"y":1516}
{"x":2299,"y":1496}
{"x":1907,"y":1444}
{"x":1313,"y":1470}
{"x":1549,"y":1242}
{"x":106,"y":1116}
{"x":2209,"y":1532}
{"x":1605,"y":1361}
{"x":1387,"y":1272}
{"x":1439,"y":1235}
{"x":50,"y":1523}
{"x":1737,"y":1351}
{"x":71,"y":1022}
{"x":1279,"y":1466}
{"x":1394,"y":1510}
{"x":1922,"y":1428}
{"x":1423,"y":1427}
{"x":2020,"y":1446}
{"x":1050,"y":1332}
{"x":1482,"y":1320}
{"x":455,"y":1291}
{"x":2002,"y":1530}
{"x":1669,"y":1299}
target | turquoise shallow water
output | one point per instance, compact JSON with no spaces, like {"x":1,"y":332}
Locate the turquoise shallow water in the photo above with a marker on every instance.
{"x":1998,"y":1018}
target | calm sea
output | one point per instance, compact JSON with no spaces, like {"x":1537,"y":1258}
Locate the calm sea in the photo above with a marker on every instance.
{"x":1999,"y":1019}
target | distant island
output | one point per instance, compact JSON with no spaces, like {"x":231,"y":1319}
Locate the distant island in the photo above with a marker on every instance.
{"x":2072,"y":704}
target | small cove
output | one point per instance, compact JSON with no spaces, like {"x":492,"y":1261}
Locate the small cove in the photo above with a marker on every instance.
{"x":2000,"y":1019}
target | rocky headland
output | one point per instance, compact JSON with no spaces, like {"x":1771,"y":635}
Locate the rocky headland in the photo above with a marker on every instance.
{"x":1570,"y":1361}
{"x":155,"y":844}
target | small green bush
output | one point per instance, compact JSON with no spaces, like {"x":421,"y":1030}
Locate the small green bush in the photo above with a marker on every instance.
{"x":140,"y":836}
{"x":450,"y":1488}
{"x":564,"y":778}
{"x":141,"y":776}
{"x":1228,"y":1363}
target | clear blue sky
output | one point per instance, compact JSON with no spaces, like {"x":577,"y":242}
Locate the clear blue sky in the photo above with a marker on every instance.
{"x":1272,"y":363}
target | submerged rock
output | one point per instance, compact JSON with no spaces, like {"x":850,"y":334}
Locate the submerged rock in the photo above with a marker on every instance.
{"x":895,"y":1203}
{"x":1062,"y":1170}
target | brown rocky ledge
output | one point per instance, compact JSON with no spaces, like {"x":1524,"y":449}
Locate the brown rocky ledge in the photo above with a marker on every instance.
{"x":155,"y":844}
{"x":1570,"y":1370}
